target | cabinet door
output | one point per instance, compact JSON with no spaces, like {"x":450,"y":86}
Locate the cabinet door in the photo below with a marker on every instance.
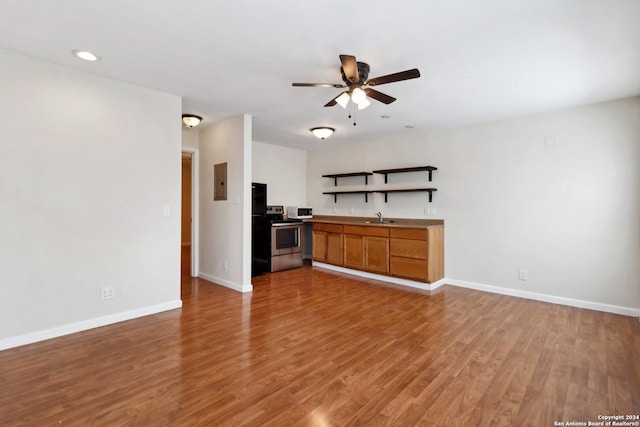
{"x":319,"y":252}
{"x":334,"y":248}
{"x":377,"y":254}
{"x":353,"y":251}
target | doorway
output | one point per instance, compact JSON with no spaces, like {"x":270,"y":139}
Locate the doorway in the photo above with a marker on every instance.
{"x":189,"y":223}
{"x":186,"y":217}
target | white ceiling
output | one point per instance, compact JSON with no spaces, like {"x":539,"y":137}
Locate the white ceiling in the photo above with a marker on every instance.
{"x":479,"y":60}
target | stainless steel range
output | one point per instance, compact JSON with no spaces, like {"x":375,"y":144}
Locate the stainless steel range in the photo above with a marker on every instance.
{"x":285,"y":240}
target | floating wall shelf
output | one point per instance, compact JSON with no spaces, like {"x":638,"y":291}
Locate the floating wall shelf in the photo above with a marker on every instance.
{"x":408,"y":190}
{"x":335,"y":176}
{"x":335,"y":194}
{"x":386,"y":172}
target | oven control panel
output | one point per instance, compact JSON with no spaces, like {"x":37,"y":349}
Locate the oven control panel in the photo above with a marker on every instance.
{"x":275,"y":210}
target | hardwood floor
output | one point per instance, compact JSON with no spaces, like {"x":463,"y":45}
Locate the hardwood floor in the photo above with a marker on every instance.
{"x":319,"y":348}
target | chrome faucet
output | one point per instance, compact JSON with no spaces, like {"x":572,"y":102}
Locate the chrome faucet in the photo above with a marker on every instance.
{"x":380,"y":218}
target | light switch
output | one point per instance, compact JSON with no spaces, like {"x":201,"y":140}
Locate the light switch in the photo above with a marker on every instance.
{"x":166,"y":211}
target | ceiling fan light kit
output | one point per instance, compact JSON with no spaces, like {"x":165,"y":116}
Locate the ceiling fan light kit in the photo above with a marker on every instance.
{"x":358,"y":95}
{"x":343,"y":99}
{"x":364,"y":104}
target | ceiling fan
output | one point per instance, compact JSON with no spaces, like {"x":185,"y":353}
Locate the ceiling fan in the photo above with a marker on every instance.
{"x":355,"y":75}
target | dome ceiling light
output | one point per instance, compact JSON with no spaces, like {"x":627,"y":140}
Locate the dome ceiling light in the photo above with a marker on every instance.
{"x":191,"y":120}
{"x":322,"y":132}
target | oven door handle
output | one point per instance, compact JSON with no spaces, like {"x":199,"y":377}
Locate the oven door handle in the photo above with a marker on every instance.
{"x":285,"y":224}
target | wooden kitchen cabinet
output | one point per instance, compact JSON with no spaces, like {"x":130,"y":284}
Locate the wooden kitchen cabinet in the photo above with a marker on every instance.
{"x":417,"y":254}
{"x":354,"y":251}
{"x":366,"y":248}
{"x":376,"y":254}
{"x":399,"y":251}
{"x":327,"y":243}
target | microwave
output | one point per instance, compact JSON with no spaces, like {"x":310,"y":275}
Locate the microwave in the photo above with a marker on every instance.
{"x":299,"y":213}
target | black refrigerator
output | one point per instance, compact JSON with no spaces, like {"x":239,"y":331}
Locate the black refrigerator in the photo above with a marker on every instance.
{"x":260,"y":230}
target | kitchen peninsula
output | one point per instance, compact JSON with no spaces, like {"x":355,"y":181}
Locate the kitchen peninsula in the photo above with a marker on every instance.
{"x":401,"y":248}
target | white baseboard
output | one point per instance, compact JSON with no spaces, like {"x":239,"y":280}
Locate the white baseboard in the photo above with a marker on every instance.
{"x":231,"y":285}
{"x":84,"y":325}
{"x":608,"y":308}
{"x":591,"y":305}
{"x":382,"y":278}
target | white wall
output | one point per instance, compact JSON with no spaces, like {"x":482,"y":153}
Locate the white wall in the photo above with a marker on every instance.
{"x":87,"y":166}
{"x":190,"y":139}
{"x":225,"y":225}
{"x":557,"y":194}
{"x":284,"y":170}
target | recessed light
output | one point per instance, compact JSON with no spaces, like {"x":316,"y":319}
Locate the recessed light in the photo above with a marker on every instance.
{"x":86,"y":55}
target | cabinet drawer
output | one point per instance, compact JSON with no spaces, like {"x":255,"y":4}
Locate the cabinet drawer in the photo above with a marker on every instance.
{"x":363,"y":230}
{"x":409,"y":233}
{"x":416,"y":249}
{"x":408,"y":268}
{"x":329,"y":228}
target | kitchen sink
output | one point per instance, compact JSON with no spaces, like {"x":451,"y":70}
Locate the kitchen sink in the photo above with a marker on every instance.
{"x":380,"y":222}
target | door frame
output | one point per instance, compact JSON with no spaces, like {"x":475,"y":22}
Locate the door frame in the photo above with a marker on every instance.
{"x":195,"y":209}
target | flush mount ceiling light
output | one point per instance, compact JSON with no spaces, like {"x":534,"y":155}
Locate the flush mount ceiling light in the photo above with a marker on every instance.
{"x":191,"y":120}
{"x":85,"y":54}
{"x":322,"y":132}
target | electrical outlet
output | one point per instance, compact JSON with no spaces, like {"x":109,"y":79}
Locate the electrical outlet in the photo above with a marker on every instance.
{"x":552,"y":141}
{"x":523,"y":274}
{"x":108,"y":292}
{"x":225,"y":265}
{"x":429,"y":211}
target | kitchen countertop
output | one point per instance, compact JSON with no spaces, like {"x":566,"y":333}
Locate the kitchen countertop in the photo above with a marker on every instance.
{"x":373,"y":221}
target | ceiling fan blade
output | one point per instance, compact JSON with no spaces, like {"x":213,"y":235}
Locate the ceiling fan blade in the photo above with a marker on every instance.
{"x":334,"y":100}
{"x":336,"y":85}
{"x":395,"y":77}
{"x":350,"y":67}
{"x":379,"y":96}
